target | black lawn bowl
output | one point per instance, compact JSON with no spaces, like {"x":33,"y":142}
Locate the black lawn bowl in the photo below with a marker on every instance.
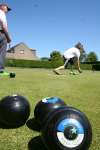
{"x":12,"y":75}
{"x":45,"y":106}
{"x":14,"y":110}
{"x":67,"y":129}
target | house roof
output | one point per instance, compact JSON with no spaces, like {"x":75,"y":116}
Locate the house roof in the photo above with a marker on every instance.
{"x":20,"y":44}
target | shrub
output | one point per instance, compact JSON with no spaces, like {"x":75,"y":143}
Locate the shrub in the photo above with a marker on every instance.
{"x":32,"y":63}
{"x":96,"y":67}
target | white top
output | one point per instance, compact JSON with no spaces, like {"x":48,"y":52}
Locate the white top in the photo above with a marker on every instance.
{"x":3,"y":19}
{"x":72,"y":52}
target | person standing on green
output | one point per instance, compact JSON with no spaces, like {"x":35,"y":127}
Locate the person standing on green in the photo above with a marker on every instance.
{"x":4,"y":35}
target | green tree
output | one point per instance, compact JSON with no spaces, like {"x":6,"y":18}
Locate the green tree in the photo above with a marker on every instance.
{"x":82,"y":51}
{"x":56,"y":59}
{"x":55,"y":56}
{"x":83,"y":57}
{"x":92,"y":57}
{"x":44,"y":58}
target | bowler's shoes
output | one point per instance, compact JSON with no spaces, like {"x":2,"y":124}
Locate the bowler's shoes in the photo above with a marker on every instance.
{"x":57,"y":72}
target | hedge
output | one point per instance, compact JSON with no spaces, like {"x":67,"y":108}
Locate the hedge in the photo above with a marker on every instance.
{"x":40,"y":64}
{"x":89,"y":62}
{"x":86,"y":66}
{"x":96,"y":67}
{"x":32,"y":63}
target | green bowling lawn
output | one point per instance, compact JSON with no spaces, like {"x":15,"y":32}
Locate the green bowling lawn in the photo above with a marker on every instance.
{"x":80,"y":91}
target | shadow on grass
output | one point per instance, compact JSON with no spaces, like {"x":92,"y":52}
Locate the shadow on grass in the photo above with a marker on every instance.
{"x":36,"y":144}
{"x":6,"y":126}
{"x":33,"y":125}
{"x":3,"y":126}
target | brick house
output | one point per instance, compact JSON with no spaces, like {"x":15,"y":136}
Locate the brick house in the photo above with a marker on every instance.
{"x":21,"y":51}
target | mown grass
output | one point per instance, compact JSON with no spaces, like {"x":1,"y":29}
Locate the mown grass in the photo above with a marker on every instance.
{"x":80,"y":91}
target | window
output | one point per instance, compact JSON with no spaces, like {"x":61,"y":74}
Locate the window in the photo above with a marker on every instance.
{"x":21,"y":51}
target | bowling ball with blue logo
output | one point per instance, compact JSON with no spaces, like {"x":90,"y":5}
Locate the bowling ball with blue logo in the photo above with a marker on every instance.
{"x":45,"y":106}
{"x":67,"y":129}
